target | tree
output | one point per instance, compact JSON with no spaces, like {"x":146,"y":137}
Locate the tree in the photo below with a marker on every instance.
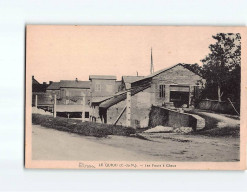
{"x":221,"y":67}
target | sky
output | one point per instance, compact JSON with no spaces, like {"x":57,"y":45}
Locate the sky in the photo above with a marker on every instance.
{"x":55,"y":53}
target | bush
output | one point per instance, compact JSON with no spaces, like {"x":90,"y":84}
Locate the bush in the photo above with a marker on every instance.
{"x":79,"y":127}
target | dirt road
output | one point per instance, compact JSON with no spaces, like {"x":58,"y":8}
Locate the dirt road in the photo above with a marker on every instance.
{"x":49,"y":144}
{"x":224,"y":121}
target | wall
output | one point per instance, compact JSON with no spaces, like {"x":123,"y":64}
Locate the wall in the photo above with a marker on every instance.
{"x":167,"y":117}
{"x":222,"y":107}
{"x":114,"y":111}
{"x":53,"y":92}
{"x":74,"y":96}
{"x":140,"y":108}
{"x":94,"y":114}
{"x":104,"y":89}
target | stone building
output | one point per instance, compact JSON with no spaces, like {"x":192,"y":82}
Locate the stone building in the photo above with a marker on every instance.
{"x":171,"y":87}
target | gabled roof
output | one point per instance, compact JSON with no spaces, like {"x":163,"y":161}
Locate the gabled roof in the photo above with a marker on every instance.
{"x":131,"y":79}
{"x":75,"y":84}
{"x":163,"y":70}
{"x":102,"y":77}
{"x":53,"y":86}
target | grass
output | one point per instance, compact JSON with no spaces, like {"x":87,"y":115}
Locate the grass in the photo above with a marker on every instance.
{"x":219,"y":132}
{"x":79,"y":127}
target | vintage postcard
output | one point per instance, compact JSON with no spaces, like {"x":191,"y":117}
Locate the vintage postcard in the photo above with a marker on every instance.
{"x":136,"y":97}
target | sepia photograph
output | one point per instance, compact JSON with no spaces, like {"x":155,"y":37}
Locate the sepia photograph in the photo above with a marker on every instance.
{"x":134,"y":97}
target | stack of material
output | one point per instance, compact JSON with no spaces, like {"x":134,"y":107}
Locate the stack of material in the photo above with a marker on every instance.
{"x":183,"y":130}
{"x":159,"y":129}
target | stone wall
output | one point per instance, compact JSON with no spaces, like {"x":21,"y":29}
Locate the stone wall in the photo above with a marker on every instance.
{"x":221,"y":107}
{"x":167,"y":117}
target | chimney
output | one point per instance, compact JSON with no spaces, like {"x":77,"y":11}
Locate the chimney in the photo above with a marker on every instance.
{"x":76,"y":79}
{"x":32,"y":77}
{"x":50,"y":82}
{"x":44,"y":83}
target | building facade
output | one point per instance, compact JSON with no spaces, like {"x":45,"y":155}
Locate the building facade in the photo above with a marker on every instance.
{"x":128,"y":102}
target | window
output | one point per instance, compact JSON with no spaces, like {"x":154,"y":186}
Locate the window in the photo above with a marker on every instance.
{"x":97,"y":87}
{"x":86,"y":114}
{"x":162,"y":91}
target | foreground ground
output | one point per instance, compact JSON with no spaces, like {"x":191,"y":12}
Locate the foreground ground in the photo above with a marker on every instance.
{"x":50,"y":144}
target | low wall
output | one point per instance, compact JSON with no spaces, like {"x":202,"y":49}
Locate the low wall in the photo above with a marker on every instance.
{"x":166,"y":117}
{"x":221,"y":107}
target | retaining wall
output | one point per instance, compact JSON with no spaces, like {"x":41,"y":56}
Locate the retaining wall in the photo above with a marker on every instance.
{"x":166,"y":117}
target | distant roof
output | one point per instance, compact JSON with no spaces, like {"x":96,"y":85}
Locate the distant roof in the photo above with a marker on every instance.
{"x":53,"y":86}
{"x":102,"y":77}
{"x":37,"y":87}
{"x":75,"y":84}
{"x":34,"y":81}
{"x":131,"y":79}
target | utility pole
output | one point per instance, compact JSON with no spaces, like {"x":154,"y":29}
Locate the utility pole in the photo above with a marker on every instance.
{"x":128,"y":105}
{"x":83,"y":108}
{"x":55,"y":106}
